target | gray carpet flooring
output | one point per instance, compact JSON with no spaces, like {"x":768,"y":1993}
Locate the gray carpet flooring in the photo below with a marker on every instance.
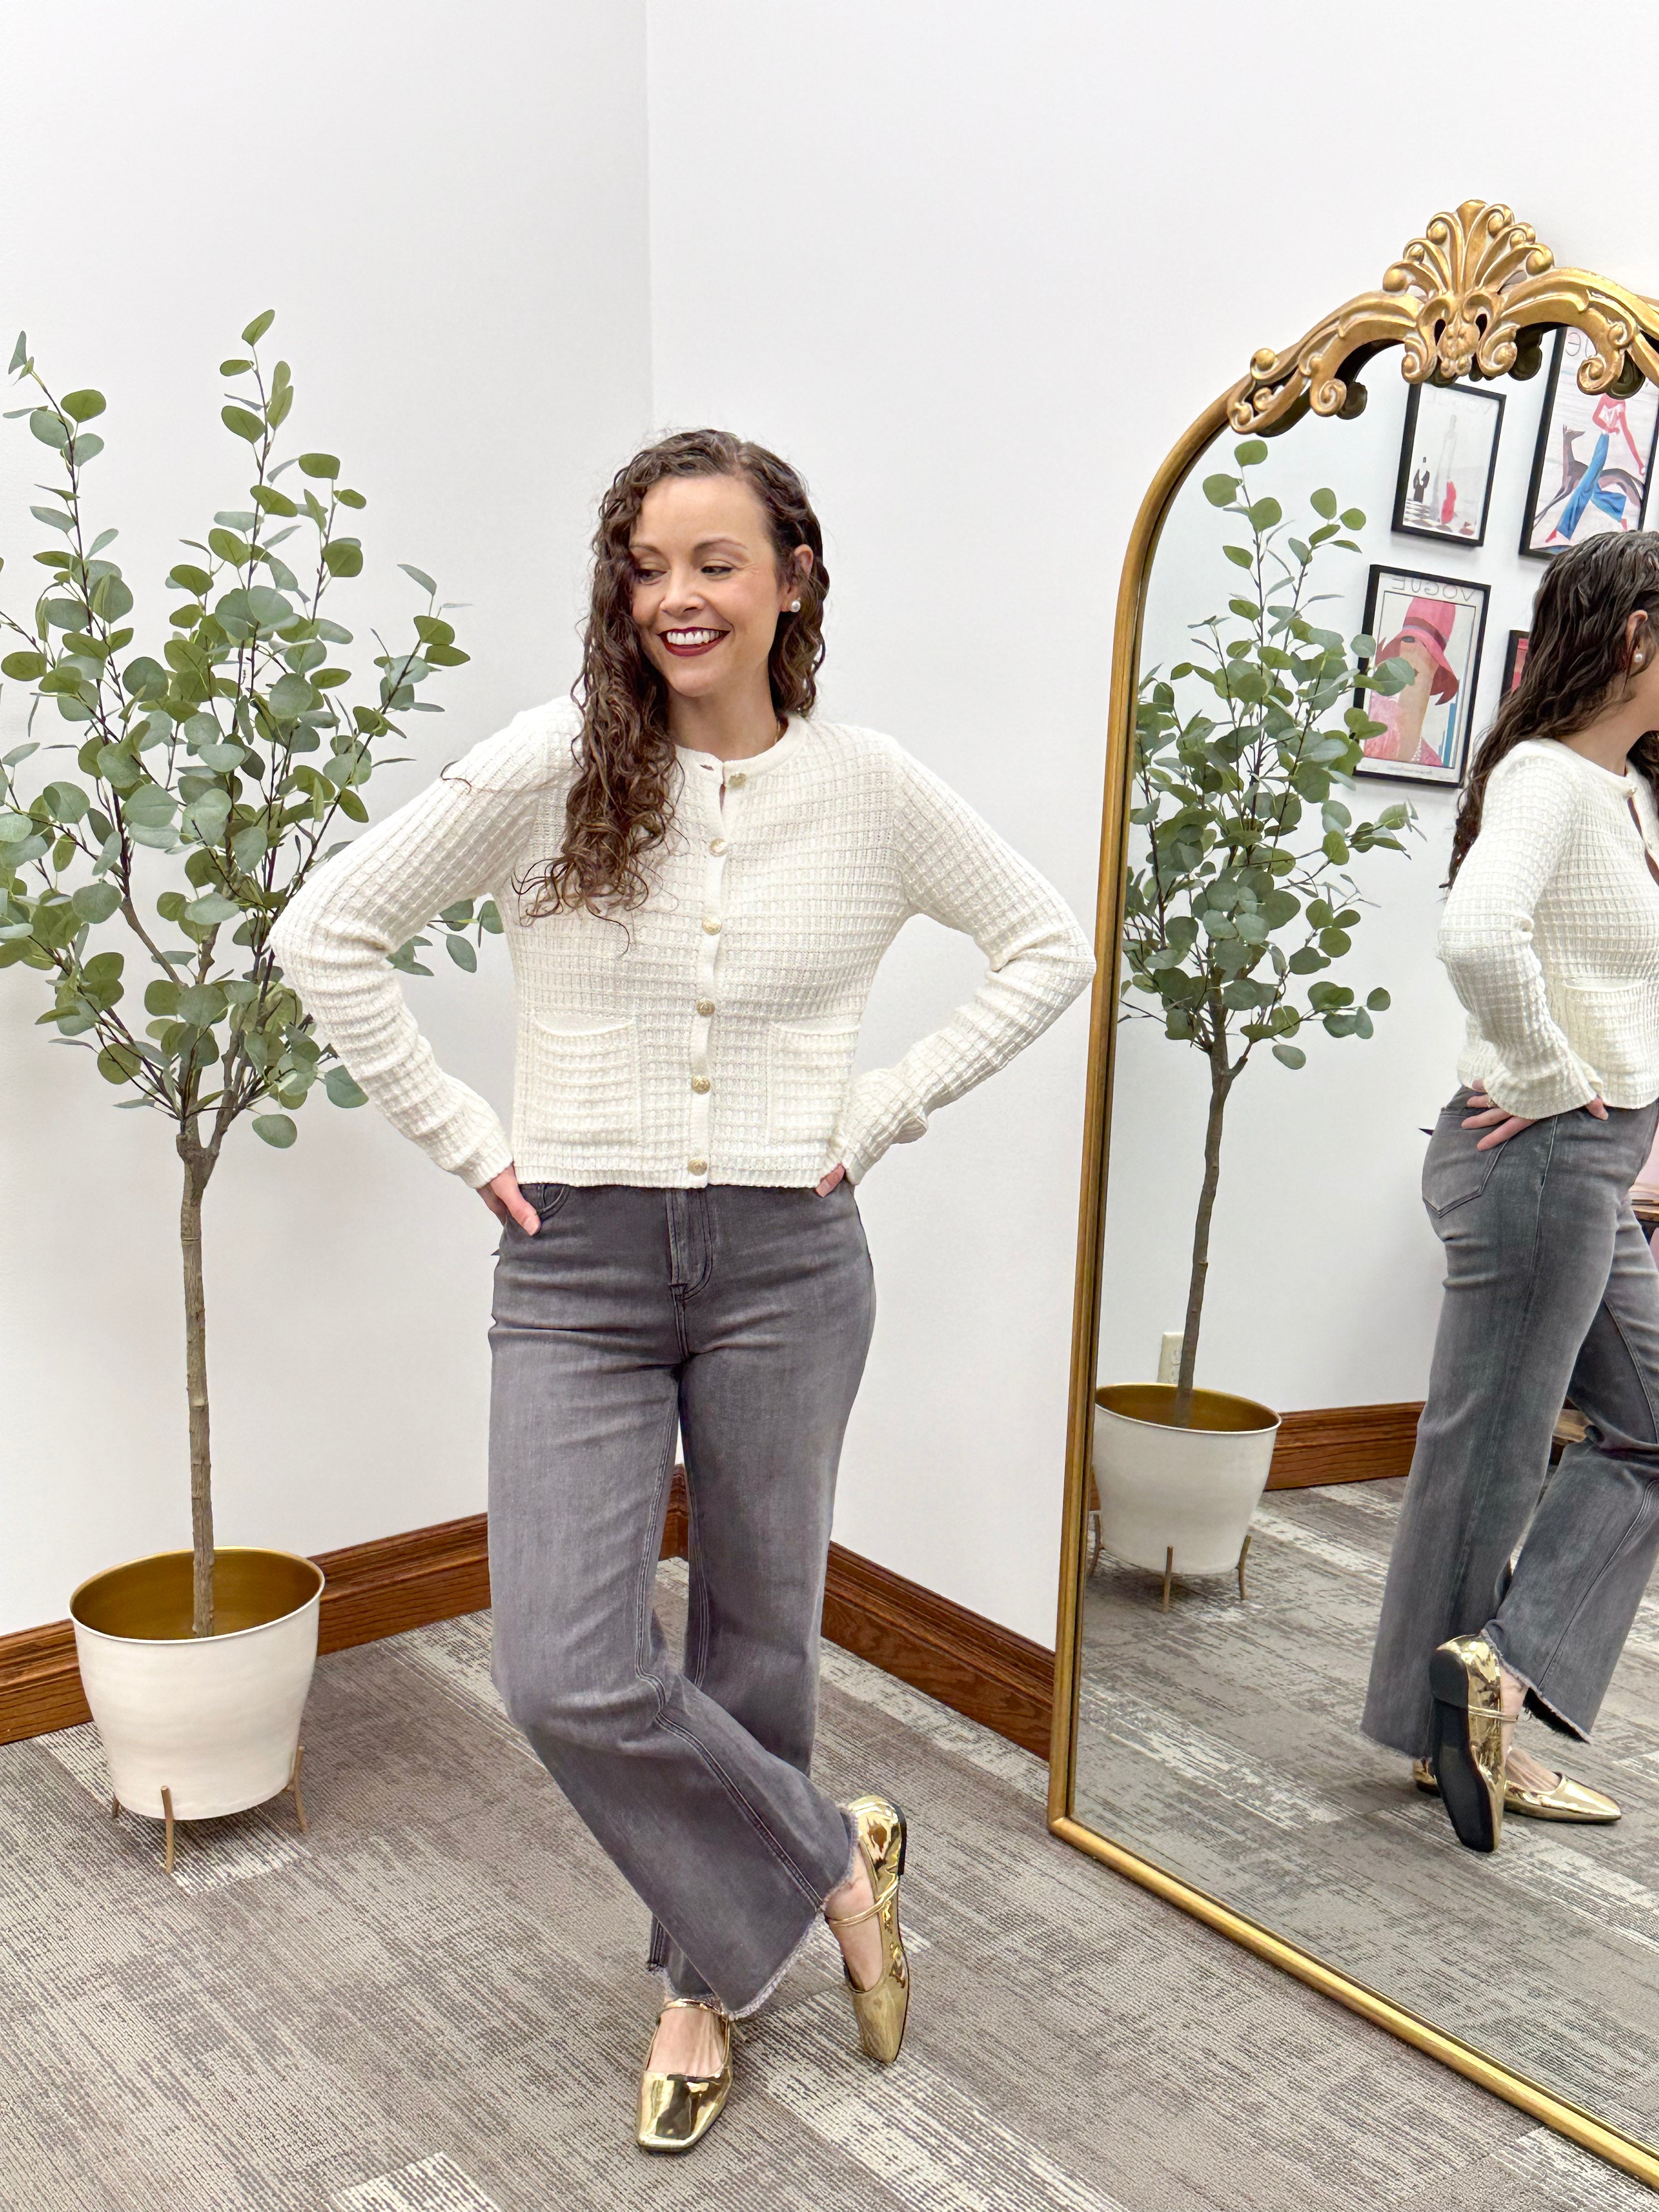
{"x":436,"y":2002}
{"x":1221,"y":1740}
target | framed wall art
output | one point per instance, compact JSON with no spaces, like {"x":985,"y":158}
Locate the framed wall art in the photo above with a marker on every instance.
{"x":1448,"y":458}
{"x":1593,"y":459}
{"x":1515,"y":659}
{"x":1437,"y":624}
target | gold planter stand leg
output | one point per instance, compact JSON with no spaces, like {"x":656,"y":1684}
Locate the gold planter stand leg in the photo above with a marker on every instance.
{"x":167,"y":1807}
{"x":1240,"y":1563}
{"x":293,"y":1785}
{"x":1169,"y":1573}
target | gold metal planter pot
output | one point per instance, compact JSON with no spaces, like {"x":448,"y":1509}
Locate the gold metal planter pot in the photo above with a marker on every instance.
{"x":195,"y":1727}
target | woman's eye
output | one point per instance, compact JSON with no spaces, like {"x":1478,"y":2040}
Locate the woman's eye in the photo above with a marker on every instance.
{"x":716,"y":568}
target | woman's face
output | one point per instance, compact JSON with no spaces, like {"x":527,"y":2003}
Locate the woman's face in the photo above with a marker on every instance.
{"x":706,"y":593}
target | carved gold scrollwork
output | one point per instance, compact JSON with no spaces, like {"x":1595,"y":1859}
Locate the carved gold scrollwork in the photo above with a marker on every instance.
{"x":1472,"y":297}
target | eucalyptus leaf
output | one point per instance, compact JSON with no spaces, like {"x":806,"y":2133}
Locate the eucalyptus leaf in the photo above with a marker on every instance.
{"x":343,"y":1088}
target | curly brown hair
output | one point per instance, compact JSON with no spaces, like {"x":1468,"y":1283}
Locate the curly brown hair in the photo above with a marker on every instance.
{"x":621,"y":803}
{"x":1578,"y":661}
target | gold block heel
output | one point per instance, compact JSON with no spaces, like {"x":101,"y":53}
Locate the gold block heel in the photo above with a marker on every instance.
{"x":882,"y":2011}
{"x":677,"y":2110}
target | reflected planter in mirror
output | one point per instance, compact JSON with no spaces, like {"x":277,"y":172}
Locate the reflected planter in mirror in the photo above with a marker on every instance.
{"x":1206,"y":1743}
{"x":1177,"y":1500}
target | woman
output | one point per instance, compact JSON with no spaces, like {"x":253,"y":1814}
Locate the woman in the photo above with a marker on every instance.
{"x":1550,"y":937}
{"x":697,"y":880}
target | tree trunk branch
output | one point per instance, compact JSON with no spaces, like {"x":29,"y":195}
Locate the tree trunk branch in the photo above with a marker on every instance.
{"x":1221,"y":1083}
{"x":198,"y":1165}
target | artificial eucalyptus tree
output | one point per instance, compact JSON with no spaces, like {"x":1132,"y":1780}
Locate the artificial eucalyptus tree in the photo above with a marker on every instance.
{"x":206,"y":777}
{"x":1237,"y":895}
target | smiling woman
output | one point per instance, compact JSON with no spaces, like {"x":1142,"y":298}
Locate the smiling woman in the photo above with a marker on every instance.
{"x":697,"y":879}
{"x":713,"y":540}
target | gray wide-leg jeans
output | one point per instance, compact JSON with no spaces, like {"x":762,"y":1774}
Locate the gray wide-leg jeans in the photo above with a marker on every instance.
{"x":1551,"y":1291}
{"x":743,"y":1316}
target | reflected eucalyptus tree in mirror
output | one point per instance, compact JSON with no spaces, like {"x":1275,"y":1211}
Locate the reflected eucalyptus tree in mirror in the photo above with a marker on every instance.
{"x":207,"y":780}
{"x":1239,"y":897}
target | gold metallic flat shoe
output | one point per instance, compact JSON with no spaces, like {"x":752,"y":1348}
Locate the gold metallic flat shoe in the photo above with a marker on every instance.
{"x":1564,"y":1799}
{"x":1467,"y":1741}
{"x":677,"y":2110}
{"x":881,"y":2011}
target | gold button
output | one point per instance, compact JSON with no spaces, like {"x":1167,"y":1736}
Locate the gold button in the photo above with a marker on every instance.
{"x":705,"y":1006}
{"x":718,"y":845}
{"x":700,"y":1083}
{"x":697,"y":1167}
{"x":738,"y":780}
{"x":711,"y":923}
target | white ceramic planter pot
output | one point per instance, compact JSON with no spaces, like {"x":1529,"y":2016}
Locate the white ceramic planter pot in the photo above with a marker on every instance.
{"x":1179,"y":1500}
{"x":213,"y":1719}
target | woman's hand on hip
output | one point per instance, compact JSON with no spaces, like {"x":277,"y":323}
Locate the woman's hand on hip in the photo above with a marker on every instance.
{"x":831,"y":1180}
{"x":1500,"y":1126}
{"x":507,"y":1202}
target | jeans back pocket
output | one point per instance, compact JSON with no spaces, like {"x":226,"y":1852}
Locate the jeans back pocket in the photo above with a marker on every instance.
{"x":1454,"y":1171}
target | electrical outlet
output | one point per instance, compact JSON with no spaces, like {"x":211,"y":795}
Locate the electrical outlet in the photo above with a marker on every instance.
{"x":1168,"y":1359}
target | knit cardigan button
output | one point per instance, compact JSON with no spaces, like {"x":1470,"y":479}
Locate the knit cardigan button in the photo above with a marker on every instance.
{"x":697,"y":1167}
{"x":700,"y":1083}
{"x":705,"y":1007}
{"x":711,"y":923}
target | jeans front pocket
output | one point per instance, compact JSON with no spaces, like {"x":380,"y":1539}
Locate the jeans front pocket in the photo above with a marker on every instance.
{"x":546,"y":1197}
{"x":807,"y":1066}
{"x":583,"y":1073}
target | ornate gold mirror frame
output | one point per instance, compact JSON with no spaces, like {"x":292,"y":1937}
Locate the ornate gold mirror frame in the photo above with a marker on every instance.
{"x":1474,"y":296}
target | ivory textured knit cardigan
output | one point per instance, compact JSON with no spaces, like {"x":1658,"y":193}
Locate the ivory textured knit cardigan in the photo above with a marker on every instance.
{"x":707,"y":1037}
{"x":1551,"y":936}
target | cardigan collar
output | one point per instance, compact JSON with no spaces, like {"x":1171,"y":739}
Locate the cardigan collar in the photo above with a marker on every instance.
{"x":1616,"y":787}
{"x":692,"y":757}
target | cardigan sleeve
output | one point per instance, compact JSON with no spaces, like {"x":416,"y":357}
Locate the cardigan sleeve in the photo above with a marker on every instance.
{"x":955,"y":869}
{"x":1485,"y":938}
{"x":455,"y":840}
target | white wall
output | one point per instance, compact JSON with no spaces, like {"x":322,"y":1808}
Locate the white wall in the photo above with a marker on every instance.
{"x":974,"y":271}
{"x":448,"y":212}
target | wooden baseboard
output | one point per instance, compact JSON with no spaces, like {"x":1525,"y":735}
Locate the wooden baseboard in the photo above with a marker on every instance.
{"x":1343,"y":1443}
{"x":424,"y":1575}
{"x":971,"y":1664}
{"x":968,"y":1662}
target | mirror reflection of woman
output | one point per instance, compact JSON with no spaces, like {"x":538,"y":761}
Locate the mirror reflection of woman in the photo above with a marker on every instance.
{"x":681,"y":1248}
{"x":1551,"y":938}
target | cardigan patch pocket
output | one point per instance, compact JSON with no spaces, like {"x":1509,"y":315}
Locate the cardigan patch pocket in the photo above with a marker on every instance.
{"x":808,"y":1064}
{"x":1613,"y":1026}
{"x":585,"y":1080}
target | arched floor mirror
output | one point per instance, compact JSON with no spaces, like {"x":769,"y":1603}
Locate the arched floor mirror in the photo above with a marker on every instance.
{"x":1381,"y":498}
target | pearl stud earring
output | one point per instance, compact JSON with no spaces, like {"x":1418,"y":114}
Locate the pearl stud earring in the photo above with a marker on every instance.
{"x":794,"y":606}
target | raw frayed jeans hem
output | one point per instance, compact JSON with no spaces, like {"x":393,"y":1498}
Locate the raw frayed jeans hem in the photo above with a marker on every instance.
{"x":1535,"y":1701}
{"x":1388,"y":1743}
{"x":742,"y":2011}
